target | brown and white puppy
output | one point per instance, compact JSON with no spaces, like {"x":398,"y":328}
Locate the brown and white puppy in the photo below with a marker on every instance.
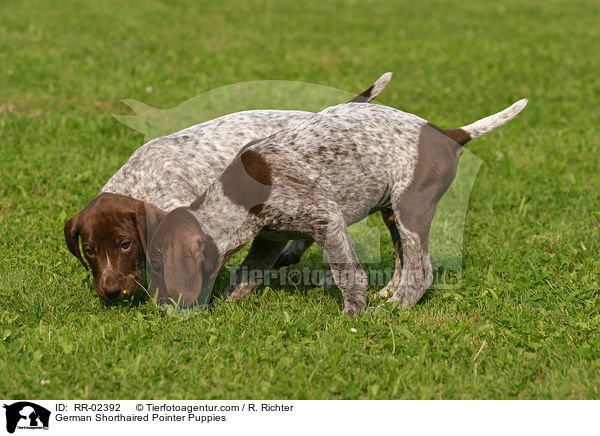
{"x":163,"y":174}
{"x":313,"y":180}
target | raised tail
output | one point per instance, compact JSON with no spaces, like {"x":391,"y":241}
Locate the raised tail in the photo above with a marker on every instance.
{"x":374,"y":90}
{"x":471,"y":131}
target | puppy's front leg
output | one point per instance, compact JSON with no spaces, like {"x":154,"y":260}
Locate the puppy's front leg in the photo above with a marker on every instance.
{"x":347,"y":271}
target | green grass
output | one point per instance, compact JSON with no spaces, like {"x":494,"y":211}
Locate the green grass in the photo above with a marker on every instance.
{"x":524,"y":324}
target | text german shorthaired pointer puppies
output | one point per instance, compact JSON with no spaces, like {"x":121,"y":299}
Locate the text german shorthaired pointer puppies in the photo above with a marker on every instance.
{"x":166,"y":173}
{"x":315,"y":179}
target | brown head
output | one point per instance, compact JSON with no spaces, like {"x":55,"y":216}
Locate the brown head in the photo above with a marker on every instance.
{"x":183,"y":259}
{"x":114,"y":230}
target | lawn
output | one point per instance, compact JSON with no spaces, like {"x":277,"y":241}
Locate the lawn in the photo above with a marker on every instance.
{"x":525,"y":322}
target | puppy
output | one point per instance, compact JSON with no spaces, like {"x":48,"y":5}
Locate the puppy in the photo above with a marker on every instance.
{"x":313,"y":180}
{"x":166,"y":173}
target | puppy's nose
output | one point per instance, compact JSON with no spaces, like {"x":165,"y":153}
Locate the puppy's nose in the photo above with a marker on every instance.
{"x":112,"y":291}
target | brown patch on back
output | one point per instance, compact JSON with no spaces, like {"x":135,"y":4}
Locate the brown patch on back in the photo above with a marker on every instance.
{"x":247,"y":181}
{"x":257,"y":167}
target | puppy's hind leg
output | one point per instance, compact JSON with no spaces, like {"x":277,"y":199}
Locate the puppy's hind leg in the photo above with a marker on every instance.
{"x":390,"y":222}
{"x":413,"y":222}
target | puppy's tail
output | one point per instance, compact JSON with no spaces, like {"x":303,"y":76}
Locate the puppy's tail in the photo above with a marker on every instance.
{"x":375,"y":89}
{"x":464,"y":134}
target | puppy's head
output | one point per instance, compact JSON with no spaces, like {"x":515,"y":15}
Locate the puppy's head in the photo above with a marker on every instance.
{"x":183,"y":259}
{"x":114,"y":230}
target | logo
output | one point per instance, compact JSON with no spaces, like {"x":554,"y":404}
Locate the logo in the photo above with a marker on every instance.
{"x":26,"y":415}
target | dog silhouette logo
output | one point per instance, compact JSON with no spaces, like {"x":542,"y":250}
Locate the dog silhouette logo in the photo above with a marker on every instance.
{"x":26,"y":415}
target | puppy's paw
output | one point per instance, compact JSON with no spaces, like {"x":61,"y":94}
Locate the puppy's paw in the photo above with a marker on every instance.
{"x":352,"y":311}
{"x":390,"y":288}
{"x":356,"y":307}
{"x":235,"y":293}
{"x":401,"y":299}
{"x":384,"y":292}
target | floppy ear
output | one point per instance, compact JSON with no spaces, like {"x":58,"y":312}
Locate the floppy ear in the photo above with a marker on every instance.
{"x":187,"y":277}
{"x":181,"y":275}
{"x":147,"y":218}
{"x":72,"y":238}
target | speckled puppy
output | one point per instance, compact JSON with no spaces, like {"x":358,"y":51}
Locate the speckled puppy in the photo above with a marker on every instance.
{"x":315,"y":179}
{"x":166,"y":173}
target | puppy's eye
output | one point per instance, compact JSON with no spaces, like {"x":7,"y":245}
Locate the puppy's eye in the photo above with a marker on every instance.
{"x":125,"y":246}
{"x":89,"y":252}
